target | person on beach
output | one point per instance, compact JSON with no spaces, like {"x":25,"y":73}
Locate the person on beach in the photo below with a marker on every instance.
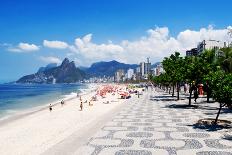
{"x":62,"y":102}
{"x":50,"y":107}
{"x":81,"y":105}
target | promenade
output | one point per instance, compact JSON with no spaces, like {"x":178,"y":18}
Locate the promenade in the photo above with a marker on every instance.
{"x":150,"y":126}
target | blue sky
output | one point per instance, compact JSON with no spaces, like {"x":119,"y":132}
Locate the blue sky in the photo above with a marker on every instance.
{"x":110,"y":22}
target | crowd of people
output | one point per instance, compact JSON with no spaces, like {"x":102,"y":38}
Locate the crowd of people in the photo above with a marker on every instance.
{"x":101,"y":92}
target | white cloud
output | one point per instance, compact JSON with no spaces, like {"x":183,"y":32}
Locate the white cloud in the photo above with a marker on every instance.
{"x":189,"y":38}
{"x":23,"y":47}
{"x":50,"y":59}
{"x":90,"y":52}
{"x":17,"y":50}
{"x":28,"y":47}
{"x":157,"y":44}
{"x":55,"y":44}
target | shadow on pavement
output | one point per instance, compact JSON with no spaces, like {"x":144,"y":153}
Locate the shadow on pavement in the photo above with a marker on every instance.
{"x":182,"y":106}
{"x":227,"y":137}
{"x":163,"y":96}
{"x":208,"y":125}
{"x":155,"y":99}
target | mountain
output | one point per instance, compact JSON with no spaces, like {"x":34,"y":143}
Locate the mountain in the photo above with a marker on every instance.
{"x":83,"y":68}
{"x":155,"y":64}
{"x":102,"y":68}
{"x":49,"y":66}
{"x":67,"y":72}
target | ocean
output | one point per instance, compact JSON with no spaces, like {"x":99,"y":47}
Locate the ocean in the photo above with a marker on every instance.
{"x":16,"y":97}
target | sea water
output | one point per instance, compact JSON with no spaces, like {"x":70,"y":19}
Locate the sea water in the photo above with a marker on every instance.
{"x":16,"y":97}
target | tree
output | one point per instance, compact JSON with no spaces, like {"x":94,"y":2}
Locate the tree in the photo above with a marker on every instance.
{"x":225,"y":61}
{"x":197,"y":67}
{"x":169,"y":68}
{"x":210,"y":65}
{"x":179,"y":73}
{"x":194,"y":69}
{"x":193,"y":72}
{"x":173,"y":67}
{"x":221,"y":89}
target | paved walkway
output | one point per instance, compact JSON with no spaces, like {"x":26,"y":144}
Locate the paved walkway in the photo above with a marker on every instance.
{"x":147,"y":127}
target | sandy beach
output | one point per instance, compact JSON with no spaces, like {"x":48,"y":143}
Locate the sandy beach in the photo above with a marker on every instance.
{"x":36,"y":131}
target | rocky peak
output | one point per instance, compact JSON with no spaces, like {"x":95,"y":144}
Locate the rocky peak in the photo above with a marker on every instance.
{"x":65,"y":62}
{"x":65,"y":73}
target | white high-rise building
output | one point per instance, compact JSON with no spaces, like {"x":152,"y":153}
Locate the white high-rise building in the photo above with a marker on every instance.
{"x":158,"y":70}
{"x":119,"y":74}
{"x":210,"y":44}
{"x":137,"y":70}
{"x":145,"y":69}
{"x":130,"y":73}
{"x":142,"y":68}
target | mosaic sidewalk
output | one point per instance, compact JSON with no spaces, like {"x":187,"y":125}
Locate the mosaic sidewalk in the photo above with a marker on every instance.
{"x":147,"y":127}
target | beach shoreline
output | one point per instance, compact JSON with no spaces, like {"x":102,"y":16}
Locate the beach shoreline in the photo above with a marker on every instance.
{"x":18,"y":114}
{"x":36,"y":131}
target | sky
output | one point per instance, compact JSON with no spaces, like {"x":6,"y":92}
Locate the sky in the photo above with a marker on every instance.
{"x":36,"y":33}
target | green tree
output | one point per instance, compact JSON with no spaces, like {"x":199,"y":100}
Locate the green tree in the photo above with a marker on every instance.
{"x":226,"y":60}
{"x":173,"y":67}
{"x":198,"y":67}
{"x":209,"y":65}
{"x":221,"y":89}
{"x":193,"y":72}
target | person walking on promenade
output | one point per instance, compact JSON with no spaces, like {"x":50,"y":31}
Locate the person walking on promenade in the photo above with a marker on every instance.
{"x":50,"y":107}
{"x":146,"y":86}
{"x":195,"y":92}
{"x":81,"y":105}
{"x":185,"y":88}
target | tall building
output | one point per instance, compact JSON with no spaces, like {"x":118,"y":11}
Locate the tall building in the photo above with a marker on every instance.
{"x":137,"y":70}
{"x":145,"y":69}
{"x":210,"y":44}
{"x":119,"y":75}
{"x":142,"y":68}
{"x":158,"y":70}
{"x":130,"y":73}
{"x":192,"y":52}
{"x":138,"y":73}
{"x":148,"y":68}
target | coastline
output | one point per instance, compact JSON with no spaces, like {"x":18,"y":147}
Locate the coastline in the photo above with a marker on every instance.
{"x":18,"y":114}
{"x":36,"y":131}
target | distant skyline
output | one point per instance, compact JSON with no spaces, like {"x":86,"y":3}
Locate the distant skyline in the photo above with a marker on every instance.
{"x":35,"y":33}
